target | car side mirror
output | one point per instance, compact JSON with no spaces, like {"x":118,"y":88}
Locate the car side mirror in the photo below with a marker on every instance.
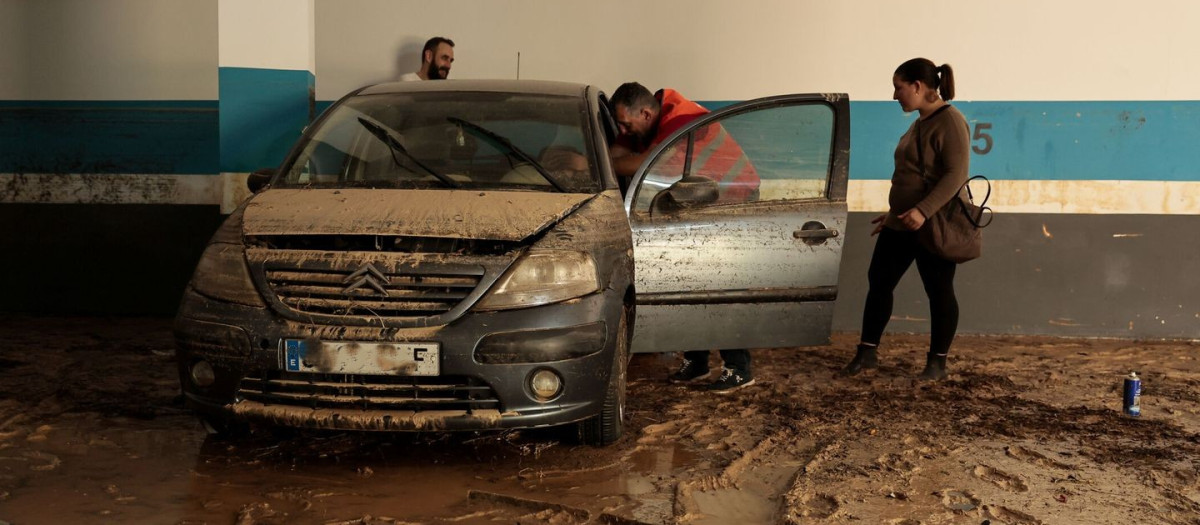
{"x":259,"y":179}
{"x":688,"y":192}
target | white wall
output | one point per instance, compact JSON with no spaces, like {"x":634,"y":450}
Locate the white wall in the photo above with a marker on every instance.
{"x":12,"y":49}
{"x":111,"y":49}
{"x":267,"y":34}
{"x":724,"y":50}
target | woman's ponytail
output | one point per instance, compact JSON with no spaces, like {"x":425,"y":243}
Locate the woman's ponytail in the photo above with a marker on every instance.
{"x":946,"y":82}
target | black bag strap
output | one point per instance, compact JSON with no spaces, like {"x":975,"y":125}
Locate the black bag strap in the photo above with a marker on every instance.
{"x":920,"y":149}
{"x":977,"y":219}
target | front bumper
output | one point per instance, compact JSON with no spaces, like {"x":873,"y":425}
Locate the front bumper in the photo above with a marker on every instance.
{"x":244,"y":347}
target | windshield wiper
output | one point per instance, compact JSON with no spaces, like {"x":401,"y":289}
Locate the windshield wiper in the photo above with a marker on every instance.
{"x":388,"y":137}
{"x":499,"y":141}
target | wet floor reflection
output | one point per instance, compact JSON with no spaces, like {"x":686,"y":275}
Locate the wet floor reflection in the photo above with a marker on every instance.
{"x":84,"y":440}
{"x":63,"y":466}
{"x":347,"y":476}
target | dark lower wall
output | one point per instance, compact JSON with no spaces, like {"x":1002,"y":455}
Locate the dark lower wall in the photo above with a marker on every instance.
{"x":1054,"y":274}
{"x":1057,"y":274}
{"x":100,"y":258}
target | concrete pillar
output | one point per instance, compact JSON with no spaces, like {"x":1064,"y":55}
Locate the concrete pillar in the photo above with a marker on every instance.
{"x":267,"y":64}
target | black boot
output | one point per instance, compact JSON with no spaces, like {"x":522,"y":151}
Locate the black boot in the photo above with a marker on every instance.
{"x":935,"y":368}
{"x":864,"y":359}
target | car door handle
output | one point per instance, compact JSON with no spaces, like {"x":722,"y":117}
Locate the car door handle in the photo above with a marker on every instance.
{"x":815,"y":234}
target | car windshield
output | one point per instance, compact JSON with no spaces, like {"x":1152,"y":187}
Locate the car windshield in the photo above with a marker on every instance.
{"x":450,"y":140}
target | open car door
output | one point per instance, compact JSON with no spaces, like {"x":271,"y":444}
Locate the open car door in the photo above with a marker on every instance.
{"x":738,"y":222}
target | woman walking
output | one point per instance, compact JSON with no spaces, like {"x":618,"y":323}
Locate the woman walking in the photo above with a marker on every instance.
{"x":932,"y":160}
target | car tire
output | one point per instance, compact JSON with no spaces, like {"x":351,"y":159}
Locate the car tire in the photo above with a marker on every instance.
{"x":606,"y":428}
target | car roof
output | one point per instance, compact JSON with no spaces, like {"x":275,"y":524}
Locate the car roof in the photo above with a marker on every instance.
{"x":542,"y":87}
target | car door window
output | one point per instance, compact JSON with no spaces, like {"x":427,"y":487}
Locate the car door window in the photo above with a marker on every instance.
{"x":770,"y":154}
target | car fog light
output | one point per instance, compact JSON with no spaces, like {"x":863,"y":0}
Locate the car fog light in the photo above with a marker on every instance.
{"x":545,"y":384}
{"x":202,"y":374}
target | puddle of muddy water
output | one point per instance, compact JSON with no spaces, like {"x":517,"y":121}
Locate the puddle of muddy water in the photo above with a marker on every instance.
{"x":127,"y":474}
{"x":753,"y":499}
{"x":639,"y":485}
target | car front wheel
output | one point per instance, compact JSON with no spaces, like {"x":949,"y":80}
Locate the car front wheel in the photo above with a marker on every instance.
{"x":605,"y":428}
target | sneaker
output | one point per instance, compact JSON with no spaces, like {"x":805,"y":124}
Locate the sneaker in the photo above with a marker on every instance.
{"x":691,"y":370}
{"x":730,"y":380}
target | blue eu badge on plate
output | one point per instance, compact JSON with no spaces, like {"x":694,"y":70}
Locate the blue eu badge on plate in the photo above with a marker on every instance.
{"x":295,"y":354}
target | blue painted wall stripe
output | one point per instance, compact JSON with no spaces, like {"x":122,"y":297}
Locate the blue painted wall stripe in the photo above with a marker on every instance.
{"x":108,"y":137}
{"x":1117,"y":140}
{"x":263,"y":112}
{"x":266,"y":109}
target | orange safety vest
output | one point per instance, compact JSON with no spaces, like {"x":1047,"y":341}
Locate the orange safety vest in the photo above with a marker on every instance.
{"x":714,"y":153}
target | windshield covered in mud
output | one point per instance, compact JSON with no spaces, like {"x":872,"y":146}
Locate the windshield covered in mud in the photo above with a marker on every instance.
{"x":450,"y":140}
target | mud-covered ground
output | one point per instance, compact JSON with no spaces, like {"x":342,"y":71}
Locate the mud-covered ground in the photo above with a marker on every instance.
{"x":1027,"y":430}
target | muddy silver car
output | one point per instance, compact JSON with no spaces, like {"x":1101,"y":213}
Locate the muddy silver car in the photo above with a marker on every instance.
{"x":459,"y":255}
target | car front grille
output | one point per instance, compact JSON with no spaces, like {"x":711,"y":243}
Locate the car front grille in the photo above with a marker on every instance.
{"x":372,"y":288}
{"x":408,"y":295}
{"x":334,"y":391}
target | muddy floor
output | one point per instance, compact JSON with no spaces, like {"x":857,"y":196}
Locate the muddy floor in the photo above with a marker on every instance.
{"x":1026,"y":430}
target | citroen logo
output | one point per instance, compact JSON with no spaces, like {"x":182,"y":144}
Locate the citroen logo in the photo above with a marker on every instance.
{"x":369,"y":276}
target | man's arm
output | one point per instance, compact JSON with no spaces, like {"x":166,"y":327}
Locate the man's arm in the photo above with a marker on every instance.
{"x":624,"y":161}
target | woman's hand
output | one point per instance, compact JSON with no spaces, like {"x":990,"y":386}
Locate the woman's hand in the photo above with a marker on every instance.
{"x":913,"y":219}
{"x":878,"y":222}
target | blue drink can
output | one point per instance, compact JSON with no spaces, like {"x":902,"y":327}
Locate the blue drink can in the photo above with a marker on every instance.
{"x":1132,"y":405}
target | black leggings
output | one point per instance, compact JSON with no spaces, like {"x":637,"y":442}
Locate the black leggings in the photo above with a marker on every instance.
{"x":894,"y":253}
{"x":738,"y":360}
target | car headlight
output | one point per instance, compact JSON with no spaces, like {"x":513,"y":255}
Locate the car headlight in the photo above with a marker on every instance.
{"x":543,"y":277}
{"x":222,"y":274}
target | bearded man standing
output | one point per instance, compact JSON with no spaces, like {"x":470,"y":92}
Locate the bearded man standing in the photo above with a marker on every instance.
{"x":436,"y":58}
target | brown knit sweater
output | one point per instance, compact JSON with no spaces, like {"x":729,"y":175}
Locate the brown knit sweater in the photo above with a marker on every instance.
{"x":947,"y":154}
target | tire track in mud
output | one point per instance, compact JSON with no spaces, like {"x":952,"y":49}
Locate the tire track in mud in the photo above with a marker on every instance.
{"x":773,"y":470}
{"x":1009,"y":516}
{"x":1035,"y":458}
{"x":1000,"y":478}
{"x":736,"y":469}
{"x":734,"y":477}
{"x":762,"y":472}
{"x":802,"y":501}
{"x":959,"y":501}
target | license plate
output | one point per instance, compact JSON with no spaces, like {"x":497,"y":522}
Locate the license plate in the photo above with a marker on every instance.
{"x":366,"y":358}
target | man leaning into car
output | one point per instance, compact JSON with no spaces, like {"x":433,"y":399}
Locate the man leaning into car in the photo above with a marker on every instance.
{"x":643,"y":121}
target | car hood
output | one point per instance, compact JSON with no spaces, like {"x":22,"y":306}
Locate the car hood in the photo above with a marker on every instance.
{"x":463,"y":214}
